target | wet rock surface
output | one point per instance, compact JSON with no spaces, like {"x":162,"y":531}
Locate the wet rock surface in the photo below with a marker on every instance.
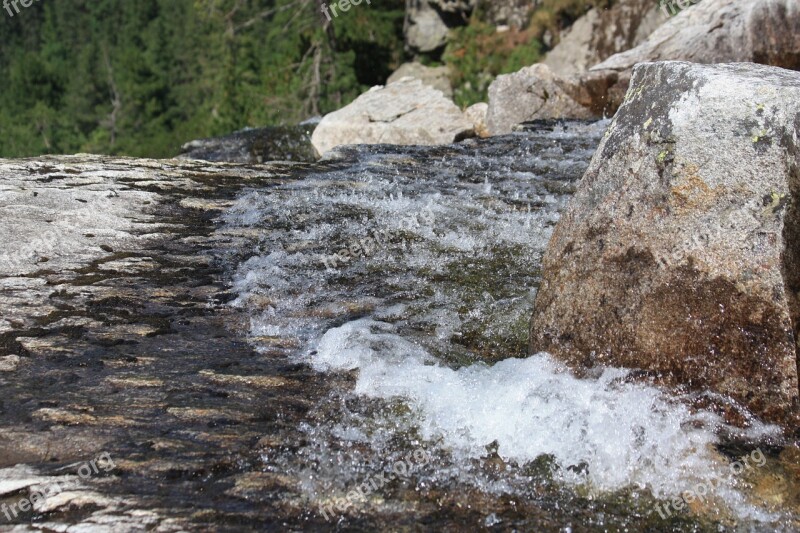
{"x":126,"y":348}
{"x":255,"y":145}
{"x":678,"y":253}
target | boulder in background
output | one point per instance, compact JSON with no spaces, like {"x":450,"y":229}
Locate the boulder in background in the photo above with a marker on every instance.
{"x":436,"y":77}
{"x":406,"y":112}
{"x":530,"y":94}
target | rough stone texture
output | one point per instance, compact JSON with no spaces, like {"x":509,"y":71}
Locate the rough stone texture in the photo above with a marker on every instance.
{"x":511,"y":13}
{"x":405,"y":112}
{"x":713,"y":31}
{"x":114,"y":337}
{"x":532,"y":93}
{"x":428,"y":21}
{"x":255,"y":145}
{"x":435,"y":77}
{"x":601,"y":33}
{"x":477,"y":113}
{"x":680,"y":252}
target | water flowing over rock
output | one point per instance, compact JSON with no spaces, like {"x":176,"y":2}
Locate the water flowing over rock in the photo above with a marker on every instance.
{"x":406,"y":112}
{"x":173,"y":314}
{"x":255,"y":145}
{"x":680,"y":252}
{"x":435,"y":77}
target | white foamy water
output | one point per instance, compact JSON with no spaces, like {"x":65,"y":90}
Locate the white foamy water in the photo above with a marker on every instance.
{"x":627,"y":433}
{"x":452,"y":286}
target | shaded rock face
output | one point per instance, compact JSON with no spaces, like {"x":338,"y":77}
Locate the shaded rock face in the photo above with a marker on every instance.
{"x":602,"y":33}
{"x":679,"y":252}
{"x":436,"y":77}
{"x":714,"y":31}
{"x":512,"y":13}
{"x":257,"y":145}
{"x":428,"y":21}
{"x":530,"y":94}
{"x":406,"y":112}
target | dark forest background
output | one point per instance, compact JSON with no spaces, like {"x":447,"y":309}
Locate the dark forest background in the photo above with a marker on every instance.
{"x":141,"y":77}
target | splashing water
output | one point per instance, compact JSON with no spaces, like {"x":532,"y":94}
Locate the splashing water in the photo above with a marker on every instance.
{"x":417,"y":269}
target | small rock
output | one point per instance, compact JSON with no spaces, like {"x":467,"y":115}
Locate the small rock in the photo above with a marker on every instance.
{"x":9,"y":363}
{"x":477,"y":114}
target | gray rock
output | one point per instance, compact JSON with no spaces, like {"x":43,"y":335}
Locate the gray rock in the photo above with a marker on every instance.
{"x":717,"y":31}
{"x":713,"y":31}
{"x":680,"y":252}
{"x":602,"y":33}
{"x":435,"y":77}
{"x":405,"y":112}
{"x":477,"y":114}
{"x":532,"y":93}
{"x":428,"y":21}
{"x":511,"y":13}
{"x":425,"y":30}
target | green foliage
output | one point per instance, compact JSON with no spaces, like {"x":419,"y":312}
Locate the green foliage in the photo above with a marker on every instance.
{"x":671,"y":8}
{"x":477,"y":54}
{"x":141,"y":77}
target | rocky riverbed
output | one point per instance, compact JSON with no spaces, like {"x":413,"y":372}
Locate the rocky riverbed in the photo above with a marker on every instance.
{"x":178,"y":316}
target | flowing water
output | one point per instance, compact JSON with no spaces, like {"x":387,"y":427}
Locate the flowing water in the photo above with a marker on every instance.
{"x":407,"y":276}
{"x":339,"y":345}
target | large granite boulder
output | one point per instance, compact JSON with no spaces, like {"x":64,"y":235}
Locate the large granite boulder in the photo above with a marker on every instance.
{"x":680,"y":252}
{"x":601,"y":33}
{"x":406,"y":112}
{"x":530,"y":94}
{"x":436,"y":77}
